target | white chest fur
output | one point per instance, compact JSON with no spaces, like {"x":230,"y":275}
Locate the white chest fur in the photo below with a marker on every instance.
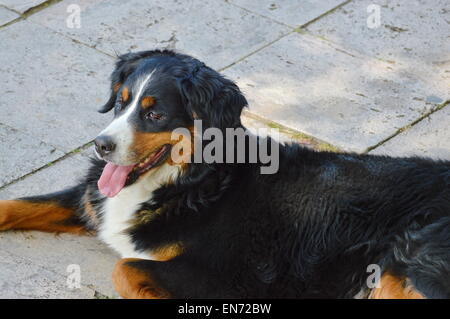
{"x":119,"y":211}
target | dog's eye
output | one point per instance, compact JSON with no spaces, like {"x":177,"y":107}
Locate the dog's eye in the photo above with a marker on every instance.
{"x":153,"y":116}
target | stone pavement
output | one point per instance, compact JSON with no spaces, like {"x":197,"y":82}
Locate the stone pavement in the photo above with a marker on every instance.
{"x":321,"y":71}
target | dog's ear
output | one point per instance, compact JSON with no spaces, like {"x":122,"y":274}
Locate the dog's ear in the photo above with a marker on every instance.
{"x":125,"y":66}
{"x":212,"y":98}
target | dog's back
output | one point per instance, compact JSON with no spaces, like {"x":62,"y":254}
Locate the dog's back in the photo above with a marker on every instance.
{"x":319,"y":226}
{"x":339,"y":213}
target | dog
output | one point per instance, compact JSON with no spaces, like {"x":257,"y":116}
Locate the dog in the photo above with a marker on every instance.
{"x":323,"y":226}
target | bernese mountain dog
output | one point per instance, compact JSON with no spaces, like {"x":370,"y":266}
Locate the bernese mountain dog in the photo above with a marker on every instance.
{"x":323,"y":226}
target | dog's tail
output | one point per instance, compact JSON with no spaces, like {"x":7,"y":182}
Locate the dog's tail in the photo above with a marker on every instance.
{"x":55,"y":212}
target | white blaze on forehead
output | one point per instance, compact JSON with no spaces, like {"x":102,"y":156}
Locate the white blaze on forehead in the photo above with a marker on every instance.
{"x":121,"y":129}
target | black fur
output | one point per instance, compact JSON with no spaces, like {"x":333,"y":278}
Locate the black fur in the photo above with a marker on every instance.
{"x":312,"y":229}
{"x":213,"y":98}
{"x":206,"y":93}
{"x":125,"y":66}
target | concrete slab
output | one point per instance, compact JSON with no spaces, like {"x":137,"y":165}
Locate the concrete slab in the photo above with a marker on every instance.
{"x":282,"y":134}
{"x":60,"y":175}
{"x":7,"y":16}
{"x":88,"y":152}
{"x":429,"y":138}
{"x":21,"y":5}
{"x":55,"y":253}
{"x":214,"y":31}
{"x":20,"y":278}
{"x":292,"y":13}
{"x":414,"y":36}
{"x":22,"y":153}
{"x":254,"y":125}
{"x":312,"y":86}
{"x":52,"y":86}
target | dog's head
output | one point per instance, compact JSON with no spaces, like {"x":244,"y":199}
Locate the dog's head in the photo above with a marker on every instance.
{"x":152,"y":94}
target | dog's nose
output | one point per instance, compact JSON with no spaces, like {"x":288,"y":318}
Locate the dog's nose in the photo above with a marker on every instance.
{"x":104,"y":145}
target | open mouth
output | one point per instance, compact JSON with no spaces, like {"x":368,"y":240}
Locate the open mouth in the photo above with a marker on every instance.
{"x":151,"y":161}
{"x":115,"y":177}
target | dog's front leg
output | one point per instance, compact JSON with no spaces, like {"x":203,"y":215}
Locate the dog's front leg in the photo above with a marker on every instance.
{"x":58,"y":212}
{"x":178,"y":278}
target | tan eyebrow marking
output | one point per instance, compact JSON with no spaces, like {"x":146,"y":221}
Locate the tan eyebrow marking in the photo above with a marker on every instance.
{"x":125,"y":94}
{"x":147,"y":101}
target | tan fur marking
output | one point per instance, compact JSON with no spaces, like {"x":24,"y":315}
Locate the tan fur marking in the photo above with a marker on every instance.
{"x":147,"y":101}
{"x":146,"y":143}
{"x":185,"y":152}
{"x":125,"y":94}
{"x":167,"y":252}
{"x":48,"y":216}
{"x":392,"y":287}
{"x":90,"y":211}
{"x":132,"y":283}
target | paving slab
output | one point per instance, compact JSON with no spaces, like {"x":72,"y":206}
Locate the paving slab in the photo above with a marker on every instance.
{"x":414,"y":35}
{"x":21,"y":5}
{"x":55,"y":253}
{"x":20,"y":278}
{"x":282,"y":134}
{"x":292,"y":13}
{"x":259,"y":128}
{"x":22,"y":153}
{"x":348,"y":100}
{"x":52,"y":86}
{"x":62,"y":174}
{"x":430,"y":138}
{"x":214,"y":31}
{"x":7,"y":16}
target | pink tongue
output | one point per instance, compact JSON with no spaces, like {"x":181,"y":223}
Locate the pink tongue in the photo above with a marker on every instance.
{"x":113,"y":179}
